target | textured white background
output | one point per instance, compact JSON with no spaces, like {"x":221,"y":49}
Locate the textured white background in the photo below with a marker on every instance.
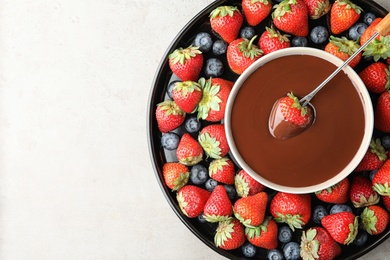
{"x":75,"y":175}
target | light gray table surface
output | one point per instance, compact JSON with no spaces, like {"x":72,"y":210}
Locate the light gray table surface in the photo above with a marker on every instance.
{"x":76,"y":181}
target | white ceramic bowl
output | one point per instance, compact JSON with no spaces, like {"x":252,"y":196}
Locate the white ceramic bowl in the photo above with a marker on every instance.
{"x":368,"y":117}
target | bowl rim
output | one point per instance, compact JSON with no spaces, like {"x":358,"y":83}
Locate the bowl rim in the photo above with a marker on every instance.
{"x":365,"y":99}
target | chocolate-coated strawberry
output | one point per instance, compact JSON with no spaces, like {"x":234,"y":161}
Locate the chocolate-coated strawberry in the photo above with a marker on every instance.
{"x":317,"y":8}
{"x":230,"y":234}
{"x":343,"y":48}
{"x":265,"y":235}
{"x":343,"y":14}
{"x":186,"y":63}
{"x":381,"y":180}
{"x":337,"y":194}
{"x":374,"y":219}
{"x":250,"y":210}
{"x":382,"y":113}
{"x":374,"y":157}
{"x":218,"y":207}
{"x":187,"y":95}
{"x":292,"y":16}
{"x":222,"y":170}
{"x":245,"y":185}
{"x":191,"y":200}
{"x":213,"y":140}
{"x":316,"y":243}
{"x":376,"y":77}
{"x":342,"y":226}
{"x":256,"y":11}
{"x":176,"y":175}
{"x":226,"y":21}
{"x":169,"y":116}
{"x":272,"y":40}
{"x":189,"y":152}
{"x":362,"y":194}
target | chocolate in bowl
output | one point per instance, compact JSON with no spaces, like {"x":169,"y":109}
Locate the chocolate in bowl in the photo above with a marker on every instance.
{"x":322,"y":155}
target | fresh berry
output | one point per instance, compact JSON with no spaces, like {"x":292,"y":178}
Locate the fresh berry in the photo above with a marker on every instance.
{"x":356,"y":31}
{"x":241,"y":53}
{"x":250,"y":211}
{"x":316,"y":243}
{"x":319,"y":34}
{"x":256,"y":11}
{"x":343,"y":227}
{"x":218,"y":207}
{"x":337,"y":208}
{"x":362,"y":193}
{"x":210,"y":184}
{"x":299,"y":41}
{"x":201,"y":218}
{"x":370,"y":31}
{"x":378,"y":48}
{"x":213,"y":140}
{"x":203,"y":41}
{"x":246,"y":185}
{"x":265,"y":235}
{"x":215,"y":95}
{"x":291,"y":251}
{"x":361,"y":238}
{"x":284,"y":234}
{"x":386,"y":202}
{"x":222,"y":170}
{"x":226,"y":21}
{"x":176,"y":175}
{"x":191,"y":200}
{"x":272,"y":40}
{"x":371,"y":174}
{"x":231,"y":192}
{"x":170,"y":141}
{"x":374,"y":219}
{"x":219,"y":47}
{"x":170,"y":88}
{"x":374,"y":157}
{"x":292,"y":209}
{"x":213,"y":68}
{"x":189,"y":152}
{"x":368,"y":18}
{"x":385,"y":141}
{"x":376,"y":77}
{"x":292,"y":16}
{"x":187,"y":95}
{"x":192,"y":124}
{"x":319,"y":212}
{"x":382,"y":113}
{"x":248,"y":250}
{"x":343,"y":15}
{"x":317,"y":8}
{"x":343,"y":49}
{"x":337,"y":193}
{"x":247,"y":32}
{"x":169,"y":116}
{"x":229,"y":234}
{"x":186,"y":63}
{"x":275,"y":254}
{"x":199,"y":174}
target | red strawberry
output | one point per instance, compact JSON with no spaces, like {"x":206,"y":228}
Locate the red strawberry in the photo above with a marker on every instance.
{"x":292,"y":16}
{"x":374,"y":219}
{"x":226,"y":21}
{"x":342,"y":226}
{"x":362,"y":193}
{"x":191,"y":200}
{"x":293,"y":209}
{"x":176,"y":175}
{"x":374,"y":158}
{"x":272,"y":40}
{"x":222,"y":170}
{"x":229,"y":234}
{"x":215,"y":95}
{"x":245,"y":185}
{"x":317,"y":8}
{"x":316,"y":243}
{"x":218,"y":207}
{"x":337,"y":194}
{"x":382,"y":113}
{"x":386,"y":202}
{"x":186,"y":63}
{"x":264,"y":236}
{"x":370,"y":31}
{"x":187,"y":95}
{"x":343,"y":49}
{"x":250,"y":210}
{"x":213,"y":140}
{"x":343,"y":15}
{"x":381,"y":180}
{"x":189,"y":152}
{"x":256,"y":11}
{"x":379,"y":48}
{"x":169,"y":116}
{"x":241,"y":53}
{"x":376,"y":77}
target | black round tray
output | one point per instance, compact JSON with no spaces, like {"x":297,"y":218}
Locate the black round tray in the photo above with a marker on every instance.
{"x":159,"y":156}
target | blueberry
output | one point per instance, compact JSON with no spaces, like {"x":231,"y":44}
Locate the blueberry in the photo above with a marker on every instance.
{"x":199,"y":174}
{"x":201,"y":218}
{"x":219,"y":47}
{"x":213,"y":67}
{"x":170,"y":141}
{"x":170,"y":87}
{"x":368,"y":18}
{"x":203,"y":41}
{"x":356,"y":31}
{"x":319,"y":34}
{"x":275,"y":254}
{"x":231,"y":191}
{"x":372,"y":174}
{"x":192,"y":124}
{"x":339,"y":208}
{"x":284,"y":234}
{"x":318,"y":213}
{"x":291,"y":251}
{"x":299,"y":41}
{"x":249,"y":250}
{"x":247,"y":32}
{"x":361,"y":238}
{"x":211,"y":184}
{"x":385,"y":141}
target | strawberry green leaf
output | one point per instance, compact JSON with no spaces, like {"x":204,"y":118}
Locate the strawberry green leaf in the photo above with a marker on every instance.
{"x":248,"y":49}
{"x":382,"y":189}
{"x":181,"y":55}
{"x":377,"y":148}
{"x":252,"y":232}
{"x":210,"y":145}
{"x":186,"y":87}
{"x":368,"y":220}
{"x":224,"y":232}
{"x":223,"y":11}
{"x":182,"y":203}
{"x":242,"y":187}
{"x":378,"y":48}
{"x":217,"y":165}
{"x":293,"y":221}
{"x":215,"y":218}
{"x":309,"y":245}
{"x":171,"y":108}
{"x":210,"y":99}
{"x":181,"y":181}
{"x":353,"y":231}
